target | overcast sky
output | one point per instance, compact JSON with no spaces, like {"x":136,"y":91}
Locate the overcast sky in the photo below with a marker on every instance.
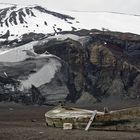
{"x":125,"y":6}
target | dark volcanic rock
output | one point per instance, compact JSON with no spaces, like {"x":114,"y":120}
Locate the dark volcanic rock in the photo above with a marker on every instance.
{"x":94,"y":69}
{"x":32,"y":36}
{"x":72,"y":53}
{"x":6,"y":35}
{"x":14,"y":75}
{"x":56,"y":90}
{"x":103,"y":67}
{"x":62,"y":16}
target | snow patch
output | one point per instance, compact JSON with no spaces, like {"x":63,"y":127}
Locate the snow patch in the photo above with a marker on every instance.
{"x":44,"y":75}
{"x":16,"y":54}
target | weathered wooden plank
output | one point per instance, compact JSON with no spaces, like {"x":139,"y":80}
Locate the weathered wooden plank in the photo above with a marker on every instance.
{"x":91,"y":120}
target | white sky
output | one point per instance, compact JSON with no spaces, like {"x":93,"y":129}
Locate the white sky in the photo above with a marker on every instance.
{"x":125,"y":6}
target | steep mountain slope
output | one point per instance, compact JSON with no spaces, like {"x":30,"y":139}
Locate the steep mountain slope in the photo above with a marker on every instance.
{"x":44,"y":60}
{"x":107,"y":20}
{"x":18,"y":20}
{"x":31,"y":78}
{"x":99,"y":67}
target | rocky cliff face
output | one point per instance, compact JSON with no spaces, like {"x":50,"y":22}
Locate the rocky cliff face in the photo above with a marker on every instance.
{"x":94,"y":67}
{"x":39,"y":79}
{"x":101,"y":67}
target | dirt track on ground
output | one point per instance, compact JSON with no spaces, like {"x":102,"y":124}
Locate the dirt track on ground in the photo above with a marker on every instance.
{"x":18,"y":122}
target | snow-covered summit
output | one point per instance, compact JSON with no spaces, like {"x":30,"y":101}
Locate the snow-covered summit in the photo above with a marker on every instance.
{"x":18,"y":20}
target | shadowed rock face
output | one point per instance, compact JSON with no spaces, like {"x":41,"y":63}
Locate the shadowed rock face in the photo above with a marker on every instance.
{"x":38,"y":80}
{"x":98,"y":67}
{"x":102,"y":67}
{"x":73,"y":54}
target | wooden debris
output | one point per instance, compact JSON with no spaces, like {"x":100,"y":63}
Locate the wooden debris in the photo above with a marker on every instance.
{"x":67,"y":126}
{"x":91,"y":120}
{"x":122,"y":120}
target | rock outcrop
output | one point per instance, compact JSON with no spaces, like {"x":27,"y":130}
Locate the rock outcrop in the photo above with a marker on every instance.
{"x":102,"y":67}
{"x":38,"y":80}
{"x":98,"y":66}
